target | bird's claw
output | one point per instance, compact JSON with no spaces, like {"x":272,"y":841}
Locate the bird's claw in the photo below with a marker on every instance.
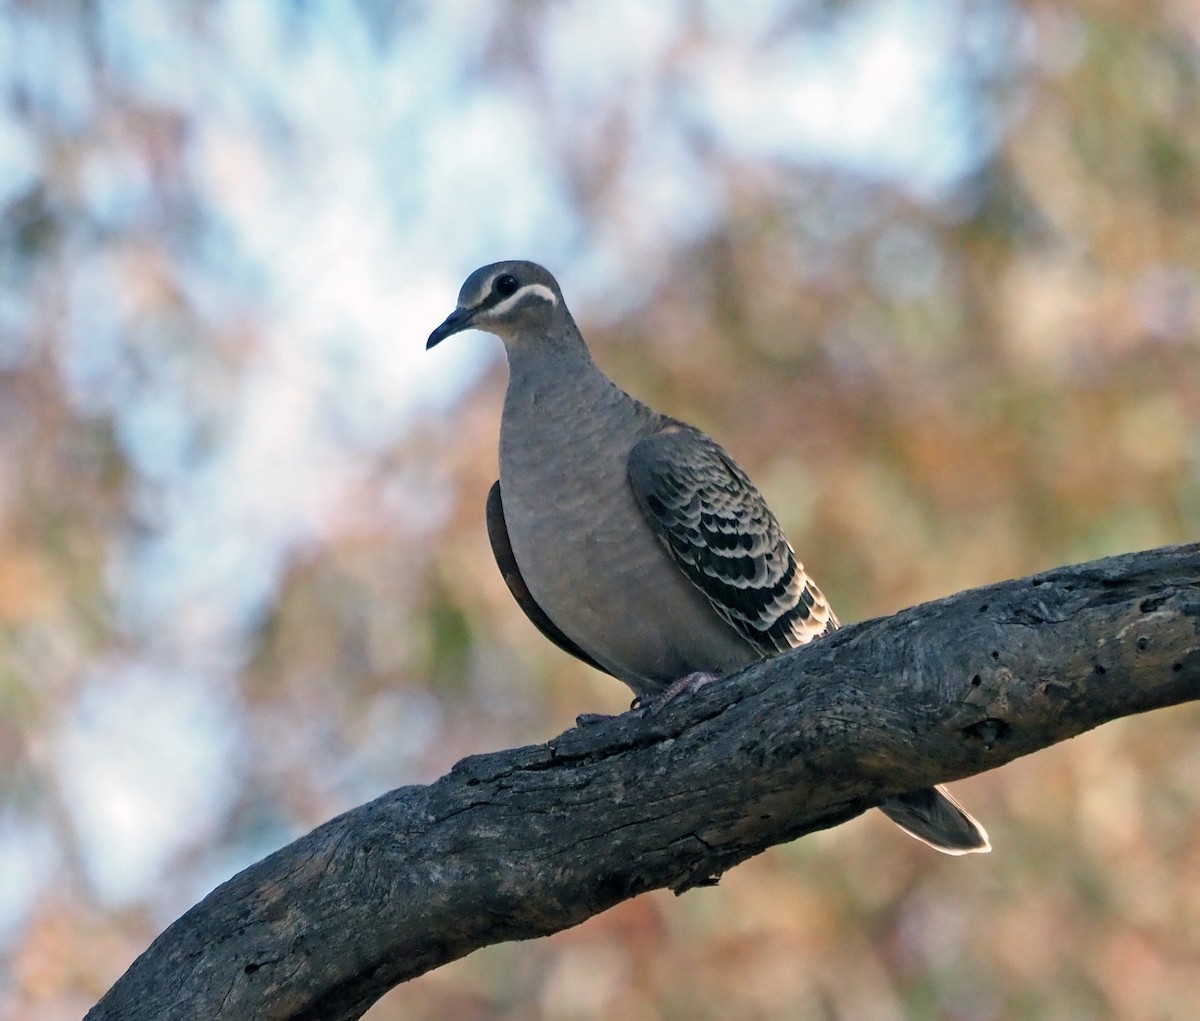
{"x":685,"y":685}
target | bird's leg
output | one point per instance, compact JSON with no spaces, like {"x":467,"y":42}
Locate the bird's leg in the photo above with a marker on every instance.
{"x":685,"y":685}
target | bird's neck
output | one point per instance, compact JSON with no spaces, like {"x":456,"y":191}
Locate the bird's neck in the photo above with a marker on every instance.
{"x":553,"y":372}
{"x":557,"y":398}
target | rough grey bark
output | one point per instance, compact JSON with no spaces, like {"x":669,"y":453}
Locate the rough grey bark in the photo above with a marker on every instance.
{"x":526,"y":842}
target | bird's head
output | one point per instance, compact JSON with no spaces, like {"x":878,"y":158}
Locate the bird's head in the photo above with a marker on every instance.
{"x":509,"y":299}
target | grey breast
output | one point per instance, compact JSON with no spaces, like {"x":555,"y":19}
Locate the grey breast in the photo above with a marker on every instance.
{"x":585,"y":549}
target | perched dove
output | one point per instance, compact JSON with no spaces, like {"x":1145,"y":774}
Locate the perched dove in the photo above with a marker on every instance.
{"x":632,"y":540}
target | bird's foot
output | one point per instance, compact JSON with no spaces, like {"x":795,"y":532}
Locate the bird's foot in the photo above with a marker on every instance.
{"x":685,"y":685}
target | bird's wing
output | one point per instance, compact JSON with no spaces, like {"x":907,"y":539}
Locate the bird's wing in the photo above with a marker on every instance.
{"x":719,"y":530}
{"x":507,"y":562}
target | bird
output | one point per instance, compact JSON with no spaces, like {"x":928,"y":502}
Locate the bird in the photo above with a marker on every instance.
{"x":631,"y":539}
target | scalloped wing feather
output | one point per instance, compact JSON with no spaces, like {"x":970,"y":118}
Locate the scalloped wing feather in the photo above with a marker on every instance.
{"x":718,"y":529}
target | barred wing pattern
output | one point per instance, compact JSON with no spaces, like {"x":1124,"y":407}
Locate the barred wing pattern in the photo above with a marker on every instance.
{"x":721,"y":533}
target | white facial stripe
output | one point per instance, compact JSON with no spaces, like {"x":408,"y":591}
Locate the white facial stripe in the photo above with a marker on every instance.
{"x":541,"y":290}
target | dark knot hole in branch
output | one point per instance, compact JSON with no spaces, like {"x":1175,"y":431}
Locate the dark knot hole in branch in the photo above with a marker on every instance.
{"x":988,"y":731}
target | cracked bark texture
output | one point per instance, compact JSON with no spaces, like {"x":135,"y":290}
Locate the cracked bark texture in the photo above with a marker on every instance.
{"x":526,"y":842}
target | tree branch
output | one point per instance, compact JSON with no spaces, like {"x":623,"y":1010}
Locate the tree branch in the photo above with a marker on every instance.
{"x":526,"y":842}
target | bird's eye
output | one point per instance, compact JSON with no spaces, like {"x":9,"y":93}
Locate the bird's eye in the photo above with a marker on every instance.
{"x":505,"y":285}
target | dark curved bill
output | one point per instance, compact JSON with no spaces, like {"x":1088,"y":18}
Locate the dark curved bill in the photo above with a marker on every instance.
{"x":456,"y":322}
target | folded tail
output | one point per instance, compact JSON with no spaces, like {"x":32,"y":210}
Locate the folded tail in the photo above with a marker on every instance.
{"x":935,"y":818}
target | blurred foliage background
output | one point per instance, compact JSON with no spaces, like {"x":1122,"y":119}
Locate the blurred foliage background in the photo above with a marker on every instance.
{"x":928,"y":270}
